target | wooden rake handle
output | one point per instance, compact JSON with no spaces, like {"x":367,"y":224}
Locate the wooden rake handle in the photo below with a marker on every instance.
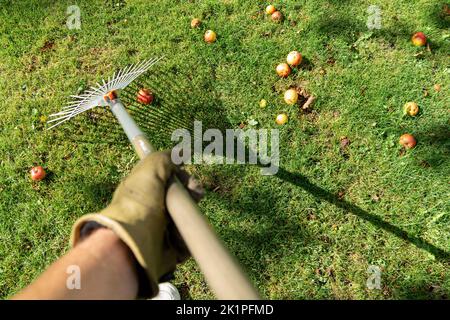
{"x":222,"y":272}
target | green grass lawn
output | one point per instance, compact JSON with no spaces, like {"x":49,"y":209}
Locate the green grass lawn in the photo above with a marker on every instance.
{"x":311,"y":231}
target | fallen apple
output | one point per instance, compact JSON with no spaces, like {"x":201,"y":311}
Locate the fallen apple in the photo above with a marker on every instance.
{"x":277,"y":16}
{"x":270,"y":9}
{"x":437,"y":87}
{"x":195,"y":23}
{"x":263,"y":103}
{"x":291,"y":96}
{"x":294,"y":58}
{"x":37,"y":173}
{"x":210,"y":36}
{"x":419,"y":39}
{"x":408,"y":141}
{"x":283,"y":70}
{"x":281,"y":119}
{"x":145,"y":96}
{"x":411,"y":109}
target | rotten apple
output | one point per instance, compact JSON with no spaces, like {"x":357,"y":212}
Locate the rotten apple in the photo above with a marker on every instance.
{"x":411,"y":109}
{"x":195,"y":23}
{"x":145,"y":96}
{"x":277,"y":16}
{"x":408,"y":141}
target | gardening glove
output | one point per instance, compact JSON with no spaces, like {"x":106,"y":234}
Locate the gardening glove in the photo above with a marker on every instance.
{"x":137,"y":214}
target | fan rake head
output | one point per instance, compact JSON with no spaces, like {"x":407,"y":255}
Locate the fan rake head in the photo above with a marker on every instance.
{"x":101,"y":94}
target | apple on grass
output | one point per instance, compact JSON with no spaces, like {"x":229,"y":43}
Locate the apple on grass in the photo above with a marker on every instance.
{"x":294,"y":58}
{"x":291,"y":96}
{"x":210,"y":36}
{"x":281,"y":119}
{"x":37,"y":173}
{"x":411,"y":109}
{"x":277,"y":16}
{"x":270,"y":9}
{"x":419,"y":39}
{"x":145,"y":96}
{"x":283,"y":70}
{"x":195,"y":23}
{"x":408,"y":141}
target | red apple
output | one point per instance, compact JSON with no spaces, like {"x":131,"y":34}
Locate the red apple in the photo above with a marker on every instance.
{"x":210,"y":36}
{"x":408,"y":141}
{"x":291,"y":96}
{"x":281,"y":119}
{"x":411,"y":109}
{"x":37,"y":173}
{"x":195,"y":23}
{"x":294,"y":58}
{"x":145,"y":96}
{"x":277,"y":16}
{"x":283,"y":70}
{"x":270,"y":9}
{"x":419,"y":39}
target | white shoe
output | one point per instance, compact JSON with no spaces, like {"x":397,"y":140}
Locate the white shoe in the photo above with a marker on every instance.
{"x":167,"y":291}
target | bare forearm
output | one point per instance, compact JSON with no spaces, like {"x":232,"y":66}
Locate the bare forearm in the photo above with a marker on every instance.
{"x":106,"y":271}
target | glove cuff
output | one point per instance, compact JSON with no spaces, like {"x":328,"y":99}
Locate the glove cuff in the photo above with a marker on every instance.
{"x":148,"y":280}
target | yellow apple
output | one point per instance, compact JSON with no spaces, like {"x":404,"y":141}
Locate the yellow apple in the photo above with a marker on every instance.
{"x":291,"y":96}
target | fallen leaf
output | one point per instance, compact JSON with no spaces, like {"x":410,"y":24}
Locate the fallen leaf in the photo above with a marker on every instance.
{"x":48,"y":45}
{"x":309,"y":102}
{"x":376,"y":198}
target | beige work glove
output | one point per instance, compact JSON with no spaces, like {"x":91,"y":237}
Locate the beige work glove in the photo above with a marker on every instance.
{"x":137,"y":214}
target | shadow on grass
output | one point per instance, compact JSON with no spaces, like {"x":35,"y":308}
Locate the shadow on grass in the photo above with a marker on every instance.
{"x":435,"y":142}
{"x":304,"y":183}
{"x":439,"y":15}
{"x":340,"y":23}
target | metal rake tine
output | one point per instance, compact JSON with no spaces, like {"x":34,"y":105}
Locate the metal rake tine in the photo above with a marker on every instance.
{"x":73,"y":113}
{"x":61,"y":113}
{"x":113,"y":79}
{"x":105,"y":85}
{"x":58,"y":124}
{"x":82,"y":97}
{"x":71,"y":105}
{"x":124,"y":75}
{"x":124,"y":82}
{"x":68,"y":110}
{"x":64,"y":119}
{"x":98,"y":85}
{"x":133,"y":73}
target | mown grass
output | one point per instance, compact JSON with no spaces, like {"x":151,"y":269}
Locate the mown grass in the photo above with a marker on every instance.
{"x":308,"y":233}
